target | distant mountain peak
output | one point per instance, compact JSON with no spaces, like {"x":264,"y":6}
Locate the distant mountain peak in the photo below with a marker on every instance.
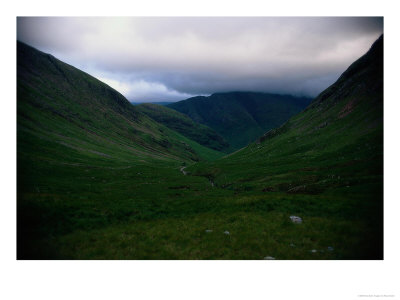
{"x":239,"y":116}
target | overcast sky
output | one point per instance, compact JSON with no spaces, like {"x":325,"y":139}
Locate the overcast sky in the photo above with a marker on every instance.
{"x":174,"y":58}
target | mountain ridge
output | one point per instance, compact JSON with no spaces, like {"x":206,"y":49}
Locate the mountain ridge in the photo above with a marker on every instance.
{"x":51,"y":91}
{"x":184,"y":125}
{"x":241,"y":117}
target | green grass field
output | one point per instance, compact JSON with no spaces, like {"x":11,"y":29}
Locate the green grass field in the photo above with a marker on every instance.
{"x":140,"y":211}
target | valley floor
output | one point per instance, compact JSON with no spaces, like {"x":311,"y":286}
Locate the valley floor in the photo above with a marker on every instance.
{"x":148,"y":211}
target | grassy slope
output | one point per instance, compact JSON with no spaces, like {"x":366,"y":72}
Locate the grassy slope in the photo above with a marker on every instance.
{"x":73,"y":111}
{"x":327,"y":160}
{"x":342,"y":129}
{"x":241,"y":117}
{"x":184,"y":125}
{"x":70,"y":126}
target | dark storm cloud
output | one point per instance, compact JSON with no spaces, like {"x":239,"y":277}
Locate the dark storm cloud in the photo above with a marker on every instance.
{"x":173,"y":58}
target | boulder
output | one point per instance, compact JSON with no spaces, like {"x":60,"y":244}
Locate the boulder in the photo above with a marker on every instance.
{"x":296,"y":219}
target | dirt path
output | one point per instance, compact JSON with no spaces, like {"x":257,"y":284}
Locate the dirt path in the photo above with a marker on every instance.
{"x":182,"y":169}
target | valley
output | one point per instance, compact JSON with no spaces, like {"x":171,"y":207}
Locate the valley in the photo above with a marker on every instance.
{"x":100,"y":178}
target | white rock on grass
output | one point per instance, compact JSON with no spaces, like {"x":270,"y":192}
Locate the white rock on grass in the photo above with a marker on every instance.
{"x":330,"y":248}
{"x":296,"y":219}
{"x":269,"y":258}
{"x":226,"y":232}
{"x":208,"y":230}
{"x":313,"y":251}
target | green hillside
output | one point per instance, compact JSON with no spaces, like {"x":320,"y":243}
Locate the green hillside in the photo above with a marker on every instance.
{"x":76,"y":138}
{"x":327,"y":161}
{"x":241,"y":117}
{"x":184,"y":125}
{"x":73,"y":113}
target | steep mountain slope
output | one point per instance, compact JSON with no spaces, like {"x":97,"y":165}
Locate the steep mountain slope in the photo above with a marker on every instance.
{"x":65,"y":112}
{"x":241,"y":117}
{"x":84,"y":152}
{"x":342,"y":127}
{"x":332,"y":150}
{"x":184,"y":125}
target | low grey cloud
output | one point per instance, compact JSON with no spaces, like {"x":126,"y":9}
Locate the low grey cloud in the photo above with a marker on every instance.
{"x":173,"y":58}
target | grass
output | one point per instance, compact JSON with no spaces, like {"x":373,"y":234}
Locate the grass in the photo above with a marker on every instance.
{"x":148,"y":212}
{"x":252,"y":236}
